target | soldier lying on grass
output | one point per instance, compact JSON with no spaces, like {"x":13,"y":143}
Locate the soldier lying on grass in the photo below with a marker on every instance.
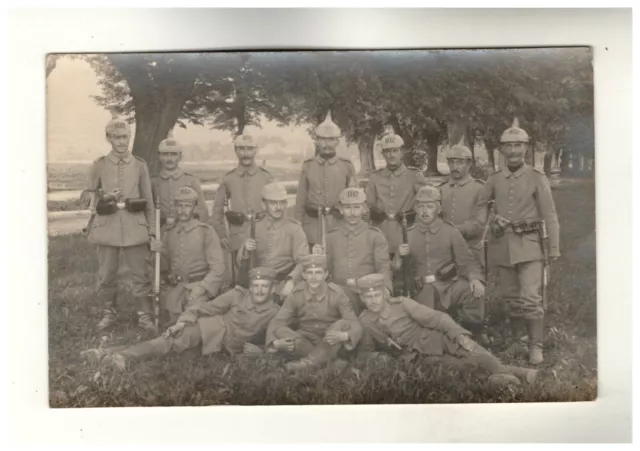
{"x":235,"y":322}
{"x":403,"y":323}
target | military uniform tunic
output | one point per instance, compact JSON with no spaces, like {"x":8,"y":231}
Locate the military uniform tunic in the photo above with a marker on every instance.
{"x":353,"y":252}
{"x":393,"y":192}
{"x":165,"y":186}
{"x":192,"y":252}
{"x":280,"y":244}
{"x":122,"y":230}
{"x":463,"y":206}
{"x":432,"y":248}
{"x":227,"y":322}
{"x":315,"y":315}
{"x":523,"y":194}
{"x":321,"y":182}
{"x":243,"y":186}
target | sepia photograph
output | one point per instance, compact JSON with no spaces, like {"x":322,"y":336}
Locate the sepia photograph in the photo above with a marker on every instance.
{"x":321,"y":227}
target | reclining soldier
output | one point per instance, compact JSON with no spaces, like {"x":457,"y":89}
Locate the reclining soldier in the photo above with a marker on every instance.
{"x":326,"y":321}
{"x":401,"y":322}
{"x":279,"y":241}
{"x":234,"y":322}
{"x":448,"y":276}
{"x":192,"y":257}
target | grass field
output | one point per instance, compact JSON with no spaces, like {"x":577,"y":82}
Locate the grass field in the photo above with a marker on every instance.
{"x":569,"y":372}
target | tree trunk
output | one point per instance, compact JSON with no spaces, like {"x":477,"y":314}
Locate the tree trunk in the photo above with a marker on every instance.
{"x":471,"y":138}
{"x":492,"y":159}
{"x":433,"y":139}
{"x":365,"y":150}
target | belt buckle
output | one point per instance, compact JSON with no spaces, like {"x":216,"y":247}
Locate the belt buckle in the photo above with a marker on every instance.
{"x":120,"y":205}
{"x":391,"y":216}
{"x":430,"y":278}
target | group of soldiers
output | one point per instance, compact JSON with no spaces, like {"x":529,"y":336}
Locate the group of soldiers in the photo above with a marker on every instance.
{"x":396,"y":266}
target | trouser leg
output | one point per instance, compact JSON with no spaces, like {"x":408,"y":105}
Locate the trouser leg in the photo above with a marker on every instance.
{"x":190,"y":337}
{"x":137,"y":259}
{"x":107,"y":286}
{"x":303,"y":346}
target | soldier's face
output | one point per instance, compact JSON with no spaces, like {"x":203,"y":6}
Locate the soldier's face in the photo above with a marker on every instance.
{"x":314,"y":277}
{"x":260,"y":290}
{"x":327,"y":146}
{"x":119,"y":141}
{"x":513,"y":153}
{"x":275,"y":208}
{"x":184,"y":210}
{"x":170,"y":160}
{"x":352,"y":213}
{"x":459,"y":167}
{"x":373,"y":300}
{"x":427,"y":211}
{"x":246,"y":155}
{"x":393,"y":157}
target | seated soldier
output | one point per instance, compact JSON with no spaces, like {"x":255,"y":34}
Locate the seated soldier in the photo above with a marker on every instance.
{"x":448,"y":277}
{"x":235,"y":321}
{"x":402,"y":323}
{"x":354,"y":248}
{"x":193,"y":260}
{"x":279,"y":241}
{"x":324,"y":316}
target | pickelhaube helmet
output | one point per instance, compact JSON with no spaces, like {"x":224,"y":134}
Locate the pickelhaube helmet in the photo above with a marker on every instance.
{"x":392,"y":141}
{"x":459,"y":151}
{"x":328,"y":129}
{"x":428,"y":194}
{"x":514,"y":134}
{"x":116,"y":124}
{"x":352,"y":196}
{"x":169,"y":144}
{"x":245,"y":140}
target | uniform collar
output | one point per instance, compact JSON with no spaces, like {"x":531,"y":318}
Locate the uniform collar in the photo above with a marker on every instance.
{"x":175,"y":174}
{"x":399,"y":171}
{"x":310,"y":297}
{"x":274,"y":223}
{"x":434,"y":228}
{"x":187,"y":227}
{"x":331,"y":160}
{"x":354,"y":230}
{"x":462,"y":182}
{"x":251,"y":170}
{"x":258,"y":308}
{"x":115,"y":158}
{"x":507,"y":173}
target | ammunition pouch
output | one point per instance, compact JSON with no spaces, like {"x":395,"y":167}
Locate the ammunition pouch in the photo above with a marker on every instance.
{"x":106,"y":206}
{"x":196,"y":276}
{"x":135,"y":205}
{"x":377,"y":215}
{"x":499,"y":226}
{"x":234,"y":218}
{"x":447,"y":272}
{"x":284,"y":273}
{"x":526,"y":226}
{"x":312,"y":211}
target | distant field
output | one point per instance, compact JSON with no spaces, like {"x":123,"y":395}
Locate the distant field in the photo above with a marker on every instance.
{"x":71,"y":176}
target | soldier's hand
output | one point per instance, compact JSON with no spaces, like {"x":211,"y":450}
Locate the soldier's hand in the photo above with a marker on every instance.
{"x":351,"y":282}
{"x":155,"y":245}
{"x":174,"y":330}
{"x":477,"y":288}
{"x":85,"y":198}
{"x":287,"y":288}
{"x":317,"y":249}
{"x":250,"y":245}
{"x":284,"y":344}
{"x":465,"y":342}
{"x":404,"y":250}
{"x":335,"y":337}
{"x":224,"y":242}
{"x":196,"y":292}
{"x":252,"y":349}
{"x":114,"y":193}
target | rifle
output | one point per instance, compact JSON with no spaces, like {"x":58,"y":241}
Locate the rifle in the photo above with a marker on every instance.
{"x":156,"y":285}
{"x":409,"y":288}
{"x":484,"y":241}
{"x":226,"y":228}
{"x":322,"y":229}
{"x":544,"y":243}
{"x":249,"y":263}
{"x":95,"y":194}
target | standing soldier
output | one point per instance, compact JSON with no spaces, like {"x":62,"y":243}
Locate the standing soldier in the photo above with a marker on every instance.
{"x":324,"y":320}
{"x":193,"y":257}
{"x":462,"y":204}
{"x":279,"y":243}
{"x":523,"y":201}
{"x":447,"y":275}
{"x":322,"y":179}
{"x":241,"y":189}
{"x":170,"y":179}
{"x":125,"y":221}
{"x":355,"y":249}
{"x":392,"y":190}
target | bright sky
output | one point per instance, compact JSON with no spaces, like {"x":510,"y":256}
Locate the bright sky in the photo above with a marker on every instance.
{"x":75,"y":121}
